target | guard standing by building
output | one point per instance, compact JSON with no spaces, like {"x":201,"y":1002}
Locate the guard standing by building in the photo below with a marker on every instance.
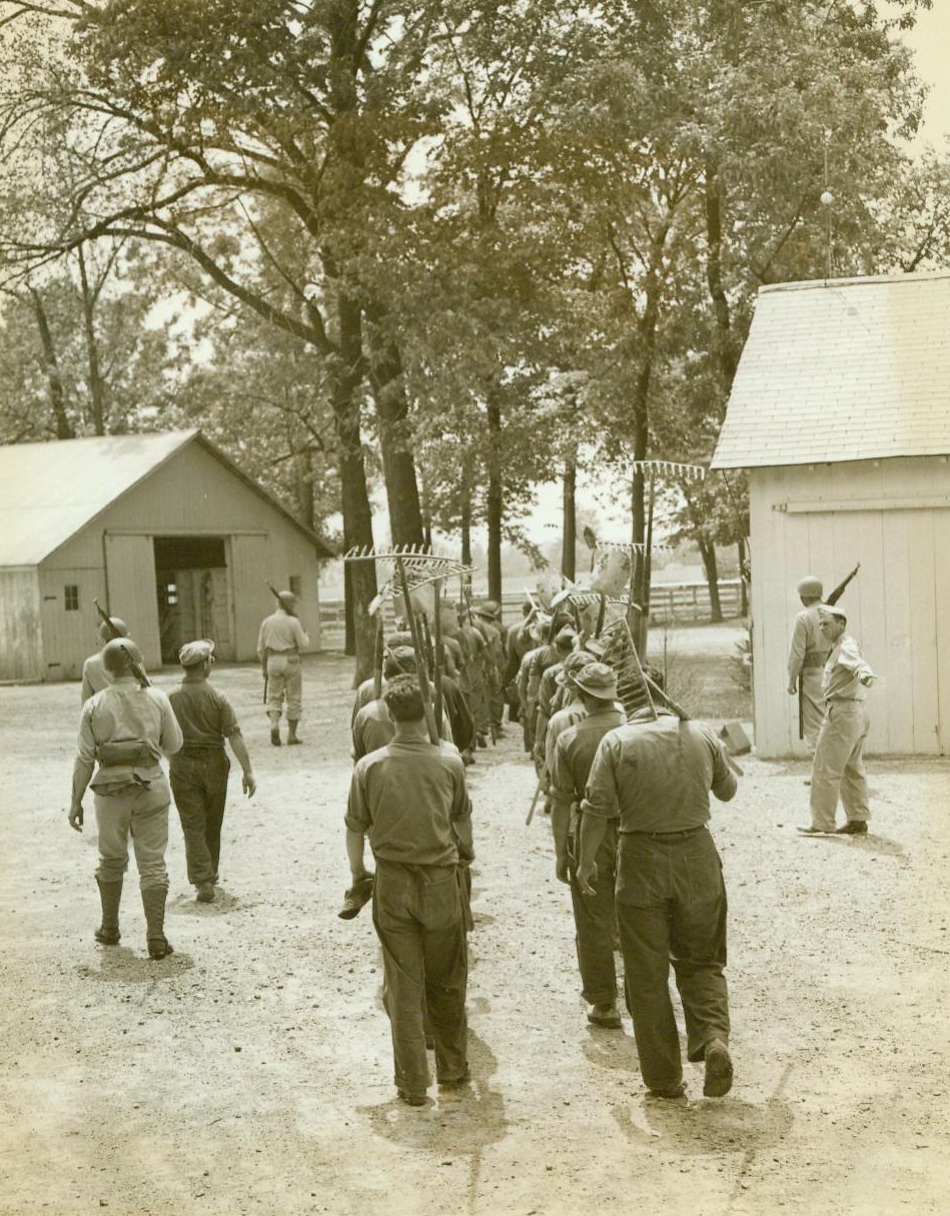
{"x":126,"y":728}
{"x":279,"y":643}
{"x":838,"y":766}
{"x":807,"y":652}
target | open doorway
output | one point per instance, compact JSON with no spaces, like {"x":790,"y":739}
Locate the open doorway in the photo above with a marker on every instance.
{"x":192,"y":583}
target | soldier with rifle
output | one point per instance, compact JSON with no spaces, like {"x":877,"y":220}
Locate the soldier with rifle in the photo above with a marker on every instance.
{"x":807,"y":653}
{"x":124,"y":730}
{"x":279,"y":643}
{"x":94,"y":675}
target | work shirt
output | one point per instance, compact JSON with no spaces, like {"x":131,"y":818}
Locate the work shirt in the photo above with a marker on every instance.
{"x":372,"y":728}
{"x":126,"y":712}
{"x":655,"y":775}
{"x":94,"y":676}
{"x":405,"y":797}
{"x":281,"y":633}
{"x":203,"y":712}
{"x":809,"y":647}
{"x":561,"y":721}
{"x":844,"y":670}
{"x":573,"y":754}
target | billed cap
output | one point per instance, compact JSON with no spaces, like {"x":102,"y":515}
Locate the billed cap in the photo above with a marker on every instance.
{"x":832,"y":610}
{"x":597,"y":679}
{"x":564,"y":639}
{"x":193,"y":653}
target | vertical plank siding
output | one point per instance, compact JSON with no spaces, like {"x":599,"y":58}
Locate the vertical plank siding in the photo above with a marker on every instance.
{"x":21,"y":628}
{"x":822,"y":520}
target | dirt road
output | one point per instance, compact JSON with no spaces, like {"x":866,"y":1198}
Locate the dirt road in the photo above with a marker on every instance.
{"x":251,"y":1072}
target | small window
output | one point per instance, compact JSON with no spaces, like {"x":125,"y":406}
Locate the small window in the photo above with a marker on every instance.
{"x":71,"y":597}
{"x":294,"y":584}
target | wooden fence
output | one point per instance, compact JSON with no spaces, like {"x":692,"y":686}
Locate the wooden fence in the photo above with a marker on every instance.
{"x":670,"y":603}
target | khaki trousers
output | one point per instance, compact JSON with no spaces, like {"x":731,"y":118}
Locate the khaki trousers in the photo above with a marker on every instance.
{"x":838,"y":767}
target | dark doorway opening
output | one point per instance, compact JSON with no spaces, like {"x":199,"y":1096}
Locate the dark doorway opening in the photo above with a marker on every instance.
{"x":193,"y":597}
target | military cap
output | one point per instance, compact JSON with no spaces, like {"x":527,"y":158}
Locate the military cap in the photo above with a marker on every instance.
{"x":193,"y":653}
{"x":597,"y":679}
{"x":490,"y":609}
{"x":119,"y":629}
{"x":811,"y":587}
{"x":287,"y":598}
{"x":832,"y":610}
{"x":119,"y":655}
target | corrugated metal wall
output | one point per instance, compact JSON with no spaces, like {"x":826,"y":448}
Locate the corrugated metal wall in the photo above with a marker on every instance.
{"x":894,"y":518}
{"x":21,"y":628}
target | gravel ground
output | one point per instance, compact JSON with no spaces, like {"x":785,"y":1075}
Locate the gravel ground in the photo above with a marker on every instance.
{"x":251,"y":1072}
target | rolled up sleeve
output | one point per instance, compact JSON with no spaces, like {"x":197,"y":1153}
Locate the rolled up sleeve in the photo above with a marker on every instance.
{"x":600,"y":797}
{"x":357,"y":817}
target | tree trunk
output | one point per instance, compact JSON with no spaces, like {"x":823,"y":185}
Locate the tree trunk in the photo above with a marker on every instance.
{"x":743,"y":579}
{"x":707,"y":551}
{"x":465,"y":527}
{"x":569,"y":499}
{"x":395,"y":437}
{"x":97,"y":393}
{"x":494,"y":503}
{"x":727,"y":355}
{"x":64,"y":429}
{"x":360,"y":577}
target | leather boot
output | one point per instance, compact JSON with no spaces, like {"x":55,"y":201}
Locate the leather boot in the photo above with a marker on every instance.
{"x":292,"y":731}
{"x":153,"y":903}
{"x":274,"y":729}
{"x":110,"y":895}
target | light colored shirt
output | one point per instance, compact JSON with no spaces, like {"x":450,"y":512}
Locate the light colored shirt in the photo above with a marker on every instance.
{"x":126,"y":712}
{"x":655,"y":775}
{"x":281,"y":632}
{"x":844,"y":670}
{"x":808,"y":647}
{"x":94,"y":676}
{"x":405,"y":797}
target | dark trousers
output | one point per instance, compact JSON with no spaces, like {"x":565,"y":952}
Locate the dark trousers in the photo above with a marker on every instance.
{"x":671,"y":908}
{"x":418,"y":914}
{"x":595,"y":921}
{"x":199,"y":781}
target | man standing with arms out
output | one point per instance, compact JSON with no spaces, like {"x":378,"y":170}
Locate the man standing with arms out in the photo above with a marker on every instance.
{"x":838,"y":766}
{"x":94,"y":675}
{"x":653,"y":777}
{"x":126,"y":728}
{"x":199,"y":771}
{"x":279,"y":643}
{"x":594,"y":913}
{"x":410,"y":799}
{"x":807,"y":653}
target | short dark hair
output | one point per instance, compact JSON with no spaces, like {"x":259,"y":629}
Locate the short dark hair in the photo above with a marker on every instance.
{"x":403,"y":699}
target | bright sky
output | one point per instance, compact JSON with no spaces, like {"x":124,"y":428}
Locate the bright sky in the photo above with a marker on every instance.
{"x":930,"y":41}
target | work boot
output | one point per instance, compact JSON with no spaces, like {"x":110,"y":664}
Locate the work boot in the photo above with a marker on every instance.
{"x":205,"y":892}
{"x":605,"y":1015}
{"x":110,"y":894}
{"x":718,"y":1078}
{"x":854,"y":827}
{"x":153,"y":904}
{"x":274,"y":729}
{"x":292,"y":731}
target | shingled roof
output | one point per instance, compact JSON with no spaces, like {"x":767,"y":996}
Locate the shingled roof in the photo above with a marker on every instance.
{"x":49,"y":491}
{"x":848,"y":369}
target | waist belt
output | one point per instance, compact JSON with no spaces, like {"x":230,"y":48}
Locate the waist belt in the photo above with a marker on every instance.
{"x":680,"y":833}
{"x":814,"y":662}
{"x":270,"y":650}
{"x":838,"y":700}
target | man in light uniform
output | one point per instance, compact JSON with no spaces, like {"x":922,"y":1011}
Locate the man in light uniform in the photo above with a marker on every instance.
{"x":279,"y":643}
{"x":807,"y":653}
{"x":838,"y":766}
{"x":126,"y":728}
{"x":94,"y":675}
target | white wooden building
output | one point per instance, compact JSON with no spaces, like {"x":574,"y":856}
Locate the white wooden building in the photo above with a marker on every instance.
{"x":840,"y":413}
{"x":163,"y":529}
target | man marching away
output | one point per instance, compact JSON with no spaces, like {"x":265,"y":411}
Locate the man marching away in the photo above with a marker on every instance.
{"x":279,"y":643}
{"x":410,"y":799}
{"x":126,"y":728}
{"x":199,"y":772}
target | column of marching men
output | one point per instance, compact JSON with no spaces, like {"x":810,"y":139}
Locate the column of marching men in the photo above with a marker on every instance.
{"x":628,"y":804}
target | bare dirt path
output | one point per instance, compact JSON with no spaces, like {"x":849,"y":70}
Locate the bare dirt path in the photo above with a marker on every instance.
{"x":251,"y":1072}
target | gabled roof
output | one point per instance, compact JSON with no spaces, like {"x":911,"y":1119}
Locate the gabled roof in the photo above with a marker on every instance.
{"x":848,"y":369}
{"x":50,"y":491}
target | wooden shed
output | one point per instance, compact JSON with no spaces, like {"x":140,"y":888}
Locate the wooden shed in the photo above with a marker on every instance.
{"x":840,"y":413}
{"x":163,"y":529}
